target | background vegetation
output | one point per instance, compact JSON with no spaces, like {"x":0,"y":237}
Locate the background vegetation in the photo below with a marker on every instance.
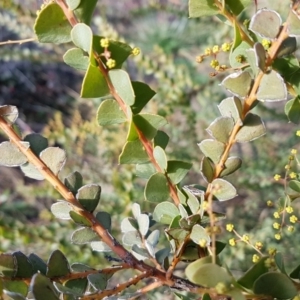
{"x":35,"y":79}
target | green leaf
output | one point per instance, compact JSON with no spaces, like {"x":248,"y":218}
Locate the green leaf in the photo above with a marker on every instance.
{"x":136,"y":210}
{"x":73,"y":182}
{"x":202,"y":8}
{"x":236,"y":294}
{"x":77,"y":286}
{"x":37,"y":263}
{"x":8,"y":265}
{"x":207,"y":169}
{"x":37,"y":142}
{"x":198,"y":234}
{"x":79,"y":219}
{"x":221,"y":128}
{"x":104,"y":219}
{"x":82,"y":37}
{"x":177,"y":170}
{"x":129,"y":224}
{"x":238,"y":54}
{"x":133,"y":153}
{"x":161,"y":139}
{"x":9,"y":113}
{"x":272,"y":88}
{"x":287,"y":47}
{"x":160,"y":157}
{"x":278,"y":258}
{"x":79,"y":267}
{"x":73,"y":4}
{"x":294,"y":185}
{"x":61,"y":210}
{"x":11,"y":156}
{"x":177,"y":234}
{"x":237,"y":6}
{"x":84,"y":235}
{"x":54,"y":158}
{"x":165,"y":212}
{"x":238,"y":83}
{"x":212,"y":149}
{"x":94,"y":84}
{"x":76,"y":59}
{"x":276,"y":285}
{"x":292,"y":110}
{"x":145,"y":170}
{"x":208,"y":275}
{"x":24,"y":266}
{"x":31,"y":171}
{"x":122,"y":84}
{"x":119,"y":51}
{"x":253,"y":128}
{"x":85,"y":11}
{"x":132,"y":237}
{"x":109,"y":113}
{"x":143,"y":94}
{"x":52,"y":26}
{"x":295,"y":274}
{"x":231,"y":107}
{"x":57,"y":265}
{"x":145,"y":126}
{"x":293,"y":23}
{"x":231,"y":165}
{"x":16,"y":288}
{"x":153,"y":237}
{"x":39,"y":284}
{"x":143,"y":223}
{"x":260,"y":56}
{"x":141,"y":253}
{"x":266,"y":23}
{"x":89,"y":196}
{"x":224,"y":189}
{"x":100,"y":247}
{"x":157,"y":188}
{"x":248,"y":278}
{"x":98,"y":281}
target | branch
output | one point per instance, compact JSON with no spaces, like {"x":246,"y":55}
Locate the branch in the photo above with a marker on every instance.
{"x":102,"y":68}
{"x":118,"y":288}
{"x":18,"y":41}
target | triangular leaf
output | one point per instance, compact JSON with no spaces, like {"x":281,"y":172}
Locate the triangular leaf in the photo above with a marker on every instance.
{"x":9,"y":113}
{"x":57,"y":265}
{"x":165,"y":212}
{"x":39,"y":284}
{"x":266,"y":23}
{"x":221,"y":128}
{"x":253,"y":128}
{"x":212,"y":149}
{"x":177,"y":170}
{"x":231,"y":165}
{"x":94,"y":84}
{"x":122,"y":84}
{"x":272,"y":88}
{"x":275,"y":284}
{"x":224,"y":190}
{"x":109,"y":113}
{"x":89,"y":196}
{"x":52,"y":26}
{"x":133,"y":153}
{"x":37,"y":142}
{"x":82,"y":36}
{"x":54,"y":158}
{"x":83,"y":236}
{"x":76,"y":59}
{"x":231,"y":107}
{"x":143,"y":94}
{"x":206,"y":169}
{"x":11,"y":156}
{"x":238,"y":83}
{"x":157,"y":189}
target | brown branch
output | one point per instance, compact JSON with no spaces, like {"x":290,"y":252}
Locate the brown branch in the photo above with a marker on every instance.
{"x":146,"y":143}
{"x":118,"y":288}
{"x":18,"y":41}
{"x":247,"y":105}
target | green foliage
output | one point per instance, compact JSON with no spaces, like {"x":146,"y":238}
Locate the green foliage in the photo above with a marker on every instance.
{"x":185,"y":213}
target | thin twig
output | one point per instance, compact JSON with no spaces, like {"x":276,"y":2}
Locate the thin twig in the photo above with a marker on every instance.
{"x":118,"y":288}
{"x":18,"y":41}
